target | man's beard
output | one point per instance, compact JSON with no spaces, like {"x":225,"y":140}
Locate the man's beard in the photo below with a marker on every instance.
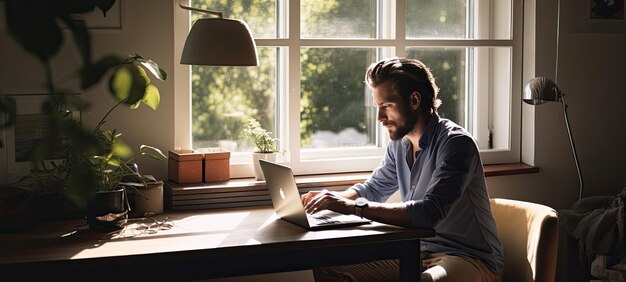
{"x":401,"y":131}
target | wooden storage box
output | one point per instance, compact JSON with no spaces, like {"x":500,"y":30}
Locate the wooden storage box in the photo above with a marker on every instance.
{"x":216,"y":164}
{"x":185,"y":166}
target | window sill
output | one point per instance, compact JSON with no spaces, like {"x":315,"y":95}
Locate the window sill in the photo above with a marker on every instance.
{"x":246,"y":192}
{"x":509,"y":169}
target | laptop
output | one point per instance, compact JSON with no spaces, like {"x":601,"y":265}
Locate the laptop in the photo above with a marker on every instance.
{"x":288,"y":206}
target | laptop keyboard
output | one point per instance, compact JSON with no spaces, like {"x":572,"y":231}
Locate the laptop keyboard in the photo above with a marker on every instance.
{"x":321,"y":219}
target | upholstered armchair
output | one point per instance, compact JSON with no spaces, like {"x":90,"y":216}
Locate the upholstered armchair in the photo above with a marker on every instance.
{"x":529,"y":234}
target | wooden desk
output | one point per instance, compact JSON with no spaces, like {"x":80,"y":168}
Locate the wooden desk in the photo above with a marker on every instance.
{"x":201,"y":245}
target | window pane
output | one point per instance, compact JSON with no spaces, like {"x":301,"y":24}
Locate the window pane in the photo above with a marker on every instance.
{"x":448,"y":68}
{"x":336,"y":107}
{"x":338,"y":18}
{"x":436,"y":19}
{"x":458,"y":19}
{"x":475,"y":90}
{"x":223,"y":98}
{"x":260,"y":15}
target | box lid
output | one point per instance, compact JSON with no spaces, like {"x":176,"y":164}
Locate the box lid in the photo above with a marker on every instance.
{"x":185,"y":155}
{"x":215,"y":153}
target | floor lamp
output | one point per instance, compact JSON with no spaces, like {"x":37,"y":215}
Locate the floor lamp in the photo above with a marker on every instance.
{"x":540,"y":90}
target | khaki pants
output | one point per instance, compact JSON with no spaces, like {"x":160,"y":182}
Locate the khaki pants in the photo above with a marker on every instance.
{"x":437,"y":267}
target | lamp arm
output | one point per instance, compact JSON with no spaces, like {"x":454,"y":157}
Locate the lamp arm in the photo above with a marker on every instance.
{"x":215,"y":13}
{"x":571,"y":140}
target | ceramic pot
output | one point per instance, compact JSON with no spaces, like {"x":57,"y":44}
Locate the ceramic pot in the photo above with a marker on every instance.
{"x":108,"y":209}
{"x":258,"y":172}
{"x":149,"y":200}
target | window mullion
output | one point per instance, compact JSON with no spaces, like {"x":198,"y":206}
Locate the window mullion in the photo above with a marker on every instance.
{"x":293,"y":89}
{"x":400,"y":18}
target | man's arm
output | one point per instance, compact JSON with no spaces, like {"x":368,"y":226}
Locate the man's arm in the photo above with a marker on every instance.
{"x":458,"y":160}
{"x":349,"y":194}
{"x":377,"y":188}
{"x":343,"y":202}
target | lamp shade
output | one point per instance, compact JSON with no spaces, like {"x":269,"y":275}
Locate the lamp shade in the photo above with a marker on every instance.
{"x":219,"y":42}
{"x":540,"y":90}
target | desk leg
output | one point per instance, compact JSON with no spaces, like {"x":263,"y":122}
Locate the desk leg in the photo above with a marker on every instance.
{"x":411,"y":263}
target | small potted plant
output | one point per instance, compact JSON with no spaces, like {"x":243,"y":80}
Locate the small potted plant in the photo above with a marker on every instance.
{"x":89,"y":164}
{"x":115,"y":173}
{"x":266,"y":146}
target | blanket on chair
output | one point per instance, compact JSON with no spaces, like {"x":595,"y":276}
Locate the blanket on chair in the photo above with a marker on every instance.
{"x":599,"y":222}
{"x":599,"y":225}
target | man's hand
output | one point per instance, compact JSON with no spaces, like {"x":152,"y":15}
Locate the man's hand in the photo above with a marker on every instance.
{"x":316,"y":201}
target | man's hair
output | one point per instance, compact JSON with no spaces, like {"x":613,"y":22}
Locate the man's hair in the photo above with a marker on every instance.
{"x":406,"y":76}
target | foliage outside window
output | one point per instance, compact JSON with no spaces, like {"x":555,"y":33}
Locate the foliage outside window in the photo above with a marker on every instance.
{"x":336,"y":41}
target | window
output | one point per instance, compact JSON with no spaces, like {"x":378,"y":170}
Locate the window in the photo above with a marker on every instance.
{"x":309,"y":89}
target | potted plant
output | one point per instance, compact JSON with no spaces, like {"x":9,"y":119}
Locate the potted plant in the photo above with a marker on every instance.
{"x":94,"y":165}
{"x":114,"y":169}
{"x":266,"y":146}
{"x":116,"y":172}
{"x":91,"y":161}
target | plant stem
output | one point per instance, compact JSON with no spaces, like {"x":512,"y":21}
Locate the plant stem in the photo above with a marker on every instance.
{"x":107,"y":114}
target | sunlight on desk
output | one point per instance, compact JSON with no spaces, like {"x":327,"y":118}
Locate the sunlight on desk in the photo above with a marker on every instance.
{"x":163,"y":244}
{"x":185,"y":233}
{"x":269,"y":221}
{"x":215,"y":222}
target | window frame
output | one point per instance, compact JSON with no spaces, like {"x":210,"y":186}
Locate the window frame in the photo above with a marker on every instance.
{"x":394,"y":43}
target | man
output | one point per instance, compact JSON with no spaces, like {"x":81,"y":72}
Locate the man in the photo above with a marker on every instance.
{"x":436,"y":165}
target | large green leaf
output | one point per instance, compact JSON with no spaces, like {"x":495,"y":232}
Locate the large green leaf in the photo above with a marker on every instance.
{"x":128,"y":84}
{"x":154,"y":68}
{"x":120,"y":83}
{"x":92,"y":73}
{"x":33,"y":24}
{"x":143,"y":73}
{"x":145,"y":149}
{"x":34,"y":27}
{"x":152,"y":98}
{"x":121,"y":149}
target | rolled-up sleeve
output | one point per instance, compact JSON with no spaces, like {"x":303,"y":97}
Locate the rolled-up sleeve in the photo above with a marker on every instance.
{"x":456,"y":162}
{"x":384,"y":181}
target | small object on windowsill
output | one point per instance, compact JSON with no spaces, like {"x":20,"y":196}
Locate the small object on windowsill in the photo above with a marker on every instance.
{"x":216,"y":164}
{"x":185,"y":166}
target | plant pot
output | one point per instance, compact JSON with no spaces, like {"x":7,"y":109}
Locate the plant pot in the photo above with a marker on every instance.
{"x":258,"y":172}
{"x":149,"y":200}
{"x":108,"y":209}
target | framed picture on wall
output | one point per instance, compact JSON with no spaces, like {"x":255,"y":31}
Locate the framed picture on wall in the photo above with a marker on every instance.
{"x":30,"y":129}
{"x":606,"y":9}
{"x":597,"y":16}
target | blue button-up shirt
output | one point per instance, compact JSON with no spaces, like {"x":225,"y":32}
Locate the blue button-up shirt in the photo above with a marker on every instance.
{"x":443,"y":189}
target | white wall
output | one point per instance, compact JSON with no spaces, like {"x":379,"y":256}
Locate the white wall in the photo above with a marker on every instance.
{"x":147,"y":29}
{"x":592,"y":73}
